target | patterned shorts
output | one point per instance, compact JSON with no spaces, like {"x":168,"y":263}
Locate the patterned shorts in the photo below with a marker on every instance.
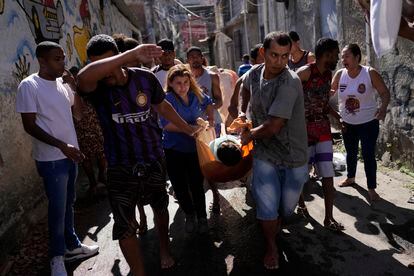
{"x":129,"y":185}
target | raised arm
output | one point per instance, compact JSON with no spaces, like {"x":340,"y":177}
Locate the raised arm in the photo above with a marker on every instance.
{"x":89,"y":76}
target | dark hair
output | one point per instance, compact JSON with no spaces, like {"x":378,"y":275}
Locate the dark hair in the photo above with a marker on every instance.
{"x":324,"y":45}
{"x":166,"y":44}
{"x":229,"y":153}
{"x":246,"y":57}
{"x":74,"y":70}
{"x":294,"y":36}
{"x":280,"y":38}
{"x":130,"y":43}
{"x":120,"y":41}
{"x":355,"y":50}
{"x":100,"y":44}
{"x":254,"y":52}
{"x":194,"y":48}
{"x":44,"y":47}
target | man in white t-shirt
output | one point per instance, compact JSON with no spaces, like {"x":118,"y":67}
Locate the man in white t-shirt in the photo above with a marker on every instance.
{"x":45,"y":102}
{"x":167,"y":61}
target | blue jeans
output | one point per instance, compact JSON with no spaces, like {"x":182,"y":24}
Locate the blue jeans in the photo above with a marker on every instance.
{"x":59,"y":179}
{"x":367,"y":133}
{"x":276,"y":189}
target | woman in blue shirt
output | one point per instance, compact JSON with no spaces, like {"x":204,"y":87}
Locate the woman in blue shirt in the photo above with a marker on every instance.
{"x":183,"y":168}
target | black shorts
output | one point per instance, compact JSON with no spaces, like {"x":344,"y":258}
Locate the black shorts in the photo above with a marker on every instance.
{"x":129,"y":185}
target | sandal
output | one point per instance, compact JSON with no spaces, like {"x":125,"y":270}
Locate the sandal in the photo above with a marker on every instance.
{"x":142,"y":229}
{"x":215,"y":208}
{"x":411,"y":200}
{"x":347,"y":183}
{"x":334,"y":226}
{"x":303,"y":211}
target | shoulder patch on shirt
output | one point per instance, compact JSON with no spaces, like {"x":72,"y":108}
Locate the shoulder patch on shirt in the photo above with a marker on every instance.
{"x":141,"y":99}
{"x":361,"y":88}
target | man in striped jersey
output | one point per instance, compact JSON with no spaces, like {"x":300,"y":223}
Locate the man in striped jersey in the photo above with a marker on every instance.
{"x":125,"y":100}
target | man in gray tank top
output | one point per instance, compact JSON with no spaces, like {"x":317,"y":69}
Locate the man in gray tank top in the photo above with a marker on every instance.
{"x":210,"y":84}
{"x":298,"y":57}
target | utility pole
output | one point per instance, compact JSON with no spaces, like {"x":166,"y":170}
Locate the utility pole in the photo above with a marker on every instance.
{"x":244,"y":12}
{"x":190,"y":36}
{"x":265,"y":17}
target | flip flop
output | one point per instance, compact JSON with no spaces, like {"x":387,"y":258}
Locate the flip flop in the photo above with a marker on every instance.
{"x":347,"y":183}
{"x":334,"y":226}
{"x":272,"y":267}
{"x":302,"y":211}
{"x":168,"y":267}
{"x":215,"y":208}
{"x":142,"y":229}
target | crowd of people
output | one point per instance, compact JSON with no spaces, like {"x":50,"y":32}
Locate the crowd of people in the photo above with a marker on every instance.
{"x":139,"y":123}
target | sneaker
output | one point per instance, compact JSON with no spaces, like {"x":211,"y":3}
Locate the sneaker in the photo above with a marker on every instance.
{"x":189,"y":224}
{"x":202,"y":226}
{"x":81,"y":252}
{"x":57,"y":266}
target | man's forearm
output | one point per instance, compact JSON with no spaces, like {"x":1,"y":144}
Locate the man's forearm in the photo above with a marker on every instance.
{"x":96,"y":71}
{"x":41,"y":135}
{"x":245,"y":98}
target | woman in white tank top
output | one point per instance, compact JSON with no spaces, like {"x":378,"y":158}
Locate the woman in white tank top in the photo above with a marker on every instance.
{"x":357,"y":87}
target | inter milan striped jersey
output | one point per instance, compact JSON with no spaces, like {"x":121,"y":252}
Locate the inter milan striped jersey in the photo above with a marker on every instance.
{"x":129,"y":124}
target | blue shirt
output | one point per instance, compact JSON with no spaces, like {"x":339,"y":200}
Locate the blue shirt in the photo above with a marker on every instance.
{"x":244,"y":68}
{"x":180,"y":141}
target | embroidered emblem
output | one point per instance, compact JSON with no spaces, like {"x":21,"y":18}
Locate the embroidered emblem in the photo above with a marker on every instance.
{"x":342,"y":87}
{"x":141,"y":99}
{"x":361,"y":88}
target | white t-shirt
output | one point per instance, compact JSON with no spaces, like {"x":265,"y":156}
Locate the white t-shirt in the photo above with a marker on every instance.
{"x":356,"y":97}
{"x":51,"y":101}
{"x":162,"y":77}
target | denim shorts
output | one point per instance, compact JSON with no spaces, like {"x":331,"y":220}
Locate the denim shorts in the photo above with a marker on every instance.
{"x":276,"y":188}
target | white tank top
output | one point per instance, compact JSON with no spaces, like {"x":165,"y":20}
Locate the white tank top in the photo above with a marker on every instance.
{"x":356,"y":97}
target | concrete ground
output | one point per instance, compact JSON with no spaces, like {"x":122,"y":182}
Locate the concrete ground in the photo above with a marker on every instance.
{"x":378,"y":239}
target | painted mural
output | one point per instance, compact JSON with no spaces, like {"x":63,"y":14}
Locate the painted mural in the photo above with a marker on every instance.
{"x":23,"y":24}
{"x":45,"y":18}
{"x":71,"y":23}
{"x":82,"y":34}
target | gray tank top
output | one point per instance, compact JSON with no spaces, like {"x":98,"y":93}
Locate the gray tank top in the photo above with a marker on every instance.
{"x":204,"y":81}
{"x":303,"y":61}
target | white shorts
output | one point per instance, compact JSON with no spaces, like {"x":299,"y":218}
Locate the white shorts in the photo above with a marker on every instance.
{"x":321,"y":155}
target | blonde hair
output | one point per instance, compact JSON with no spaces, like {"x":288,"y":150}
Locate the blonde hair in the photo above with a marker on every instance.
{"x":182,"y":70}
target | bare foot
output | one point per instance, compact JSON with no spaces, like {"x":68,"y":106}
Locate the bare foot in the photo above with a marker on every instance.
{"x":167,"y":261}
{"x":347,"y":182}
{"x":271,"y":260}
{"x":373,"y":195}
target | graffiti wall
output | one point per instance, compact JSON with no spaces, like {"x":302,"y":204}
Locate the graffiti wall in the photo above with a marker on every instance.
{"x":23,"y":24}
